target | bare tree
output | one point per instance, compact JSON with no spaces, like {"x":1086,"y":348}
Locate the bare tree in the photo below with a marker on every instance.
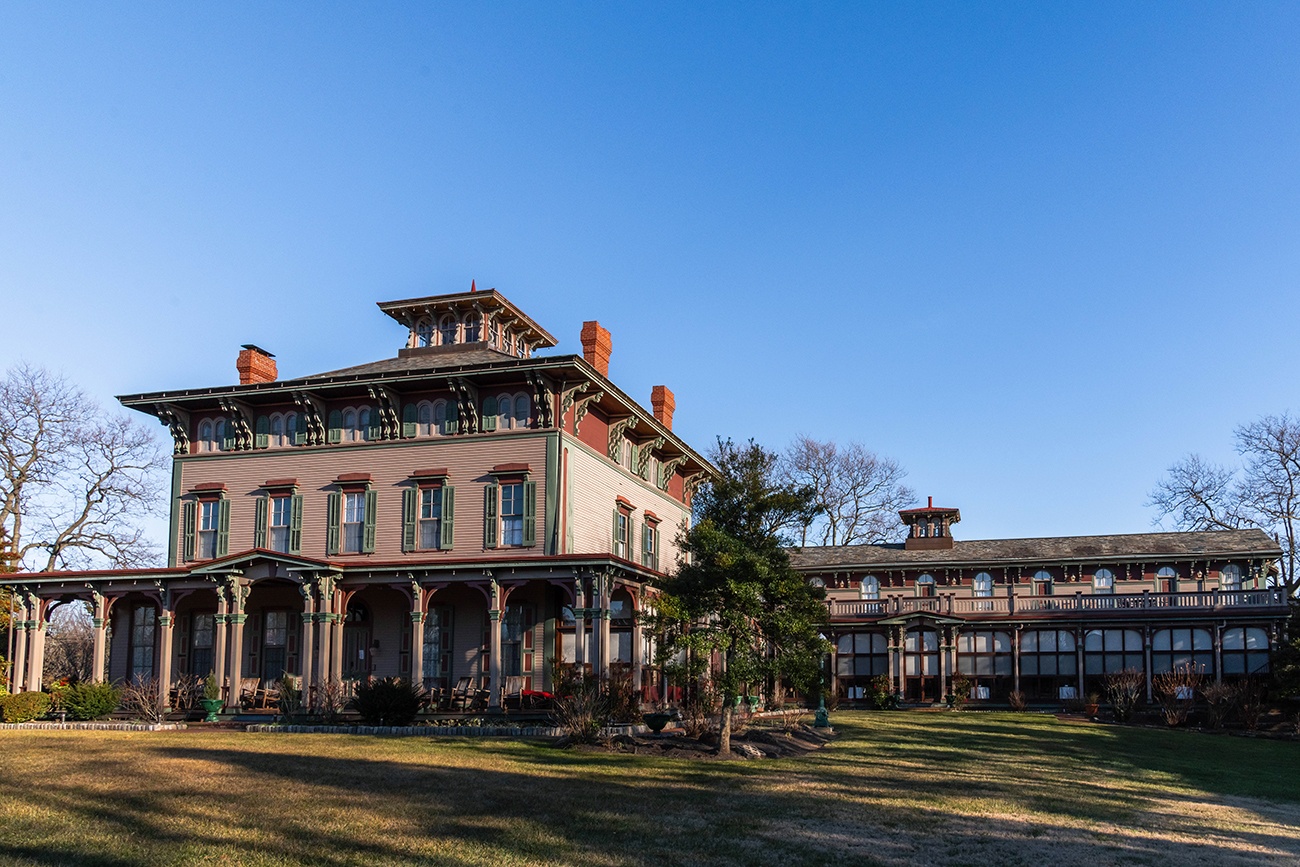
{"x":70,"y":644}
{"x":76,"y":481}
{"x":857,"y":492}
{"x":1264,"y":492}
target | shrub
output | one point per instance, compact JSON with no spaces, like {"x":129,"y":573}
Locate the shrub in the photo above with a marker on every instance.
{"x":23,"y":707}
{"x":1123,"y":689}
{"x":387,"y":702}
{"x":330,"y":699}
{"x":291,"y":707}
{"x":1019,"y":703}
{"x":141,"y":699}
{"x":580,"y":708}
{"x":624,"y":703}
{"x":211,"y":689}
{"x":87,"y":700}
{"x":1176,"y":691}
{"x":1250,"y":703}
{"x":1220,"y":703}
{"x":881,"y":693}
{"x":960,"y":692}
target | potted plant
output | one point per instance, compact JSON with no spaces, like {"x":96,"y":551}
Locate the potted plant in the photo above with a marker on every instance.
{"x":211,"y":700}
{"x":1092,"y":706}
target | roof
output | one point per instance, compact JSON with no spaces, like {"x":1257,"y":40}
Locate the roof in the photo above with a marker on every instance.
{"x":408,"y":363}
{"x":406,"y":310}
{"x":1132,"y":546}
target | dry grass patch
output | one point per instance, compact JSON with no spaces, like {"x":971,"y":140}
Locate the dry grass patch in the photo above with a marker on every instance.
{"x":893,"y":789}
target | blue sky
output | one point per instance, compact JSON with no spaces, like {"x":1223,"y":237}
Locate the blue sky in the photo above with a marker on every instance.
{"x":1033,"y":252}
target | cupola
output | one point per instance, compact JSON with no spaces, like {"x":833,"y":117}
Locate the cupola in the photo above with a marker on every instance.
{"x":467,"y":320}
{"x":929,"y":528}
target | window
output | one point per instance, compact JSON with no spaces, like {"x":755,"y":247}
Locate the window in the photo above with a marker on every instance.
{"x":925,"y":585}
{"x":424,"y":333}
{"x":507,"y":342}
{"x":207,"y":439}
{"x":144,"y":620}
{"x":444,"y":417}
{"x":430,"y":518}
{"x":202,"y":628}
{"x":363,"y":425}
{"x":982,"y":585}
{"x":502,"y":412}
{"x":984,"y":654}
{"x":861,"y":655}
{"x":472,"y":327}
{"x":1110,"y":650}
{"x":447,"y":331}
{"x":425,"y":426}
{"x":350,"y":425}
{"x":1171,"y":648}
{"x":650,"y":545}
{"x":219,"y":435}
{"x":622,"y":522}
{"x":1230,"y":578}
{"x":275,"y":643}
{"x":523,"y":411}
{"x":517,"y":640}
{"x":209,"y":518}
{"x":1103,"y":581}
{"x":870,"y":588}
{"x":512,"y":514}
{"x":1166,"y":579}
{"x":1245,"y":651}
{"x":281,"y":512}
{"x":277,"y":431}
{"x":1047,"y":662}
{"x":627,"y":455}
{"x":354,"y":520}
{"x":1042,"y":583}
{"x":437,"y":647}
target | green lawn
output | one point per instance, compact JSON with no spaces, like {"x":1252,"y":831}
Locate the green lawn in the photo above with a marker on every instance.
{"x":893,"y":789}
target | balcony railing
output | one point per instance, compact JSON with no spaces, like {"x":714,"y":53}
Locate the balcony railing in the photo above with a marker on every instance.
{"x":1078,"y":604}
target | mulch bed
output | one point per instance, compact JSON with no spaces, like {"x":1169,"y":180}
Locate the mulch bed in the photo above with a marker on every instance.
{"x":755,"y":743}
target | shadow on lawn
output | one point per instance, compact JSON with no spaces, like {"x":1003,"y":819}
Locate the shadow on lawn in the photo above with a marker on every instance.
{"x":286,"y":799}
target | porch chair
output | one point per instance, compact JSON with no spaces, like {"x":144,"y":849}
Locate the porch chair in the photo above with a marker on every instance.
{"x":513,"y":692}
{"x":248,"y":687}
{"x":462,"y":694}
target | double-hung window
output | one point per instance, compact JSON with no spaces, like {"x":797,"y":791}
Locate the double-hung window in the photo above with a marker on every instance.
{"x":209,"y":515}
{"x":512,"y":514}
{"x":430,"y":520}
{"x":650,"y":545}
{"x":351,"y":516}
{"x":201,"y":631}
{"x":275,"y":642}
{"x":622,"y":525}
{"x":280,"y":519}
{"x":509,"y":511}
{"x":354,"y":521}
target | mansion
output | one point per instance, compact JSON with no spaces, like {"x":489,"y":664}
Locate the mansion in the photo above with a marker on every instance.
{"x":470,"y":510}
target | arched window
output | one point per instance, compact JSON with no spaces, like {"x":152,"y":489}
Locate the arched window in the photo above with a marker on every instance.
{"x":816,"y":582}
{"x":521,"y":350}
{"x":472,"y":326}
{"x":1245,"y":650}
{"x":1230,"y":578}
{"x":982,"y":585}
{"x":925,"y":585}
{"x":349,"y":425}
{"x":870,"y":588}
{"x":219,"y":435}
{"x":447,"y":330}
{"x":424,"y":425}
{"x":277,"y":430}
{"x":1175,"y":648}
{"x":507,"y":342}
{"x":1042,"y":583}
{"x":207,"y":442}
{"x":363,"y":424}
{"x":505,"y":412}
{"x":424,"y":333}
{"x":523,"y":410}
{"x":440,"y":418}
{"x":1103,"y":581}
{"x":290,"y":427}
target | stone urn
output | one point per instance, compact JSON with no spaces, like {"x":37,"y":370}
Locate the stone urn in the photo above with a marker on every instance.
{"x":212,"y":706}
{"x":657,"y":721}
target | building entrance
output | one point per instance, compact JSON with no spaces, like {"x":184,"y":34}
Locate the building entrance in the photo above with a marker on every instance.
{"x":921,"y":680}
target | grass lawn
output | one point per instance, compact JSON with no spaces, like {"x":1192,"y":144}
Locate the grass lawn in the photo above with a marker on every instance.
{"x":894,"y":788}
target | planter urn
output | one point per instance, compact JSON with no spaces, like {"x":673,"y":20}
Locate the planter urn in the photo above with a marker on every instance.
{"x":212,"y":706}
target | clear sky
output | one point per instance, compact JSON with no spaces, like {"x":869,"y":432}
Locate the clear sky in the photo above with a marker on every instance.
{"x":1033,"y":252}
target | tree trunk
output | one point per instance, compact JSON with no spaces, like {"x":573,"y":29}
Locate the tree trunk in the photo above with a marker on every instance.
{"x":724,"y":739}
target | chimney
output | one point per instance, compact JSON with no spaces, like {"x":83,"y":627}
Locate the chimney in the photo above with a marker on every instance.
{"x":596,"y":346}
{"x":664,"y":403}
{"x":255,"y":365}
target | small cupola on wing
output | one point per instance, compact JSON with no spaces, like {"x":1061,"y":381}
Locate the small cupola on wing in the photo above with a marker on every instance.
{"x":930,"y":527}
{"x":470,"y":320}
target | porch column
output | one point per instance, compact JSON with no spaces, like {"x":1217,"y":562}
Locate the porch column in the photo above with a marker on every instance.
{"x":945,"y":662}
{"x":602,"y":624}
{"x":1015,"y":658}
{"x":1146,"y":659}
{"x":324,"y":619}
{"x":1078,"y":663}
{"x":1218,"y":653}
{"x":18,"y":683}
{"x":894,"y":655}
{"x":336,"y":638}
{"x":99,"y":624}
{"x":579,"y":625}
{"x":308,"y":642}
{"x":638,"y":650}
{"x":36,"y":649}
{"x":494,"y":658}
{"x":219,"y":642}
{"x":166,"y":626}
{"x":236,"y":618}
{"x":417,"y":636}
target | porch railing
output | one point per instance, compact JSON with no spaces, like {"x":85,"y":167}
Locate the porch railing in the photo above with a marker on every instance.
{"x":1078,"y":603}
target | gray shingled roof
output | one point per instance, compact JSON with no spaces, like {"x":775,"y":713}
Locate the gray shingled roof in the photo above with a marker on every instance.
{"x":1134,"y":546}
{"x":432,"y":361}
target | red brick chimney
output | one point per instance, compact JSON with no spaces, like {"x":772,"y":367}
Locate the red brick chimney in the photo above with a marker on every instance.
{"x":596,"y":345}
{"x":664,"y":403}
{"x":255,"y":365}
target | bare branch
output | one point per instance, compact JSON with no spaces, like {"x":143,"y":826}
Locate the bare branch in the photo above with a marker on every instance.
{"x":858,"y":493}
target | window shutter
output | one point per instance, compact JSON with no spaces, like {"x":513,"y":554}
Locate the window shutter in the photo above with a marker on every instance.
{"x":334,"y":519}
{"x":654,"y":551}
{"x":614,"y":547}
{"x":631,"y":540}
{"x":448,"y":517}
{"x":374,"y":430}
{"x":262,"y":435}
{"x":491,"y":496}
{"x":368,"y":537}
{"x":530,"y":513}
{"x":223,"y":527}
{"x":300,"y":429}
{"x":189,"y":511}
{"x":409,"y":419}
{"x":410,"y":511}
{"x":489,"y":413}
{"x":336,"y":427}
{"x":526,"y":665}
{"x":453,"y":416}
{"x":228,"y":438}
{"x":295,"y":524}
{"x":260,"y":522}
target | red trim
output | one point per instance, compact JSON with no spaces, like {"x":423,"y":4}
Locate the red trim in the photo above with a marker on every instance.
{"x":652,"y":517}
{"x":352,"y":477}
{"x":511,"y":468}
{"x":625,"y":503}
{"x":435,"y":473}
{"x":208,"y":486}
{"x":280,"y":483}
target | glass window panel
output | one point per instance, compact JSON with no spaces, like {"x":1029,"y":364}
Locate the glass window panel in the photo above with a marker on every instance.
{"x":878,"y":643}
{"x":1113,"y":639}
{"x":1132,"y":639}
{"x":1065,"y":642}
{"x":1201,"y":640}
{"x":845,"y":644}
{"x":1029,"y":642}
{"x":1161,"y":640}
{"x":966,"y":665}
{"x":1029,"y":665}
{"x":1001,"y":642}
{"x":1002,"y":665}
{"x":1256,"y":639}
{"x":1182,"y":639}
{"x":1234,"y":639}
{"x":984,"y":665}
{"x":1234,"y":663}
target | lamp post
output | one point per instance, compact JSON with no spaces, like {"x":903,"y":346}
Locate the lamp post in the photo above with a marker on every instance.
{"x":821,"y":718}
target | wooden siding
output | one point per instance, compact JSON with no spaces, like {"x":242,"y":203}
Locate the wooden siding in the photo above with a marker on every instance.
{"x":468,"y":460}
{"x":594,"y":485}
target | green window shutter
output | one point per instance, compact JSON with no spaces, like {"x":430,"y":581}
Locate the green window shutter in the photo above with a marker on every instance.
{"x":615,"y":536}
{"x":448,"y":517}
{"x":489,"y":413}
{"x":335,"y":519}
{"x":491,"y":497}
{"x":409,"y":419}
{"x":228,"y":438}
{"x":295,"y":524}
{"x":189,"y":512}
{"x":262,"y":432}
{"x":260,"y":521}
{"x":631,"y":540}
{"x":374,"y":430}
{"x":654,"y":555}
{"x":410,"y":510}
{"x":223,"y":528}
{"x":530,"y":513}
{"x":335,"y":427}
{"x":300,"y":429}
{"x":368,"y":536}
